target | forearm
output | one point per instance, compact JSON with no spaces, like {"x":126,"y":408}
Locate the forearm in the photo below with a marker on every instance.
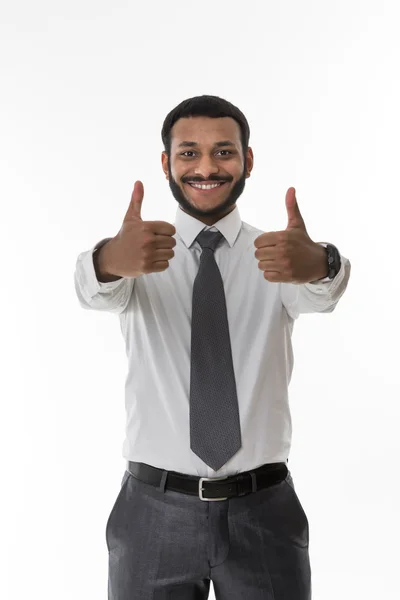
{"x":101,"y":263}
{"x":323,"y":263}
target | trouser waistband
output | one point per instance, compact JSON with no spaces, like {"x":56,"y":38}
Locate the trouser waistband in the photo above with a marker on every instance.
{"x":211,"y":489}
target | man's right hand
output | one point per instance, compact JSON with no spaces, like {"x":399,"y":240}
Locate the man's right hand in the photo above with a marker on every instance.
{"x":140,"y":247}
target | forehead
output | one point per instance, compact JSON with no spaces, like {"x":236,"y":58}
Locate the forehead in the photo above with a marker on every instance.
{"x":205,"y":130}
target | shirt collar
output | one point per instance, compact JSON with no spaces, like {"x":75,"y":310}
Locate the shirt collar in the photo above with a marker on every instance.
{"x":189,"y":227}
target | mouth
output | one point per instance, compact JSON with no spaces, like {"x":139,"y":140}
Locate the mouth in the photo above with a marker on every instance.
{"x":207,"y":189}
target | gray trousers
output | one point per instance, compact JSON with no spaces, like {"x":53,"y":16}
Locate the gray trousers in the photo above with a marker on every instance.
{"x":164,"y":545}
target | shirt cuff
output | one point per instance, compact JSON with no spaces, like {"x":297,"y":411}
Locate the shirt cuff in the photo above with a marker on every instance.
{"x":91,"y":285}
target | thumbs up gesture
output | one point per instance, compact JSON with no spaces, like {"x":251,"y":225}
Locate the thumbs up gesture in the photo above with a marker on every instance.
{"x":290,"y":256}
{"x":140,"y":247}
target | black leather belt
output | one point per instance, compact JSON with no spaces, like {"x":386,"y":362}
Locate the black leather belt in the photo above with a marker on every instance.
{"x":209,"y":489}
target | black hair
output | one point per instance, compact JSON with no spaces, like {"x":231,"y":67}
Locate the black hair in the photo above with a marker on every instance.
{"x":205,"y":106}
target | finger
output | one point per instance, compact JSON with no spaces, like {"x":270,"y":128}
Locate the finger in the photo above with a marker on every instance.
{"x":161,"y":228}
{"x":272,"y":276}
{"x":135,"y":205}
{"x":270,"y":238}
{"x":164,"y":241}
{"x":268,"y":253}
{"x":270,"y":266}
{"x":295,"y":219}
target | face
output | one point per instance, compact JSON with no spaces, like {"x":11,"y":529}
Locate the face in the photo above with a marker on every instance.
{"x":207,"y":151}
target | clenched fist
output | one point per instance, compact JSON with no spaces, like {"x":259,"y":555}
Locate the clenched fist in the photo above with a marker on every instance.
{"x":291,"y":256}
{"x":140,"y":247}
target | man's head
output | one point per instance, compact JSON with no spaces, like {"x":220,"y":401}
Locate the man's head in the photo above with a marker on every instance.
{"x":206,"y":142}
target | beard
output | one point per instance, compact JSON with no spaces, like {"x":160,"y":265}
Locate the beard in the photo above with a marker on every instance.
{"x":222,"y":208}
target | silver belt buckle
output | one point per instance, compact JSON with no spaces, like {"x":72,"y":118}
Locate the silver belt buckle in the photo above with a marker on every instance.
{"x":201,"y":489}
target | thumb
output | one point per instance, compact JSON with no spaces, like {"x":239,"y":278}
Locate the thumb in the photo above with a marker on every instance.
{"x":295,"y":220}
{"x":135,"y":205}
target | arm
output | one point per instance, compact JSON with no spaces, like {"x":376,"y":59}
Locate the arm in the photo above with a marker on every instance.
{"x":101,"y":262}
{"x":95,"y":287}
{"x":318,"y":296}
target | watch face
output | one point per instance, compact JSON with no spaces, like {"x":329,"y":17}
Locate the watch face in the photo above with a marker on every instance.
{"x":333,"y":261}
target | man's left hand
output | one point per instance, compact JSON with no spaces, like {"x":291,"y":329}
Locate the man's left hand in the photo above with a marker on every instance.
{"x":291,"y":256}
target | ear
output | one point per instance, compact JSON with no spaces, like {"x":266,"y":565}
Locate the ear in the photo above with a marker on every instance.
{"x":249,"y":161}
{"x":164,"y":163}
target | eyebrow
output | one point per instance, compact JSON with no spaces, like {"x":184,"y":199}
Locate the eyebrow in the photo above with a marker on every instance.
{"x":216,"y":145}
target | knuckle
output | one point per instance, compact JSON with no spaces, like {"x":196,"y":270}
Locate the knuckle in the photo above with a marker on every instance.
{"x":144,"y":226}
{"x":284,"y":236}
{"x":147,"y":240}
{"x":287,"y":264}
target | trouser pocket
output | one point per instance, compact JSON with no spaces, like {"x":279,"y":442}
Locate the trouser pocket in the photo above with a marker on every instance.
{"x":119,"y":498}
{"x":299,"y":510}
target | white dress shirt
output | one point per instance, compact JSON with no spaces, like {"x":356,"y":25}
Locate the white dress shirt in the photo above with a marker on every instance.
{"x":155,"y":320}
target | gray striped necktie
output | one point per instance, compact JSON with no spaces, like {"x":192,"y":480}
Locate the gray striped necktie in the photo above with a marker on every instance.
{"x":214,"y":411}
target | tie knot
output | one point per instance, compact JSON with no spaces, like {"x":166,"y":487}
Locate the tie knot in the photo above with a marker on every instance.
{"x":209,"y":239}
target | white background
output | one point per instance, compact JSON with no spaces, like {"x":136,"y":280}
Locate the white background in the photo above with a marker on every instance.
{"x":85,"y":87}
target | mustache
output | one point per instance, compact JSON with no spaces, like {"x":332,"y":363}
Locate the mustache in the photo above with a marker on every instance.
{"x":194,"y":180}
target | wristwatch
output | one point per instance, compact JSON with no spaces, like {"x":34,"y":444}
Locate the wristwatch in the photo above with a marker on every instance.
{"x":333,"y":259}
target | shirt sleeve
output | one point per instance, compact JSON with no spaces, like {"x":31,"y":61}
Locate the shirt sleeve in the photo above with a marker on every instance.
{"x":317,"y":296}
{"x":97,"y":295}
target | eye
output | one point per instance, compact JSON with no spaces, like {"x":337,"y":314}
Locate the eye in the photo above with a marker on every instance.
{"x":192,"y":151}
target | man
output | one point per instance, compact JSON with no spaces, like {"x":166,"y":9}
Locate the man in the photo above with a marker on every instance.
{"x":206,"y":494}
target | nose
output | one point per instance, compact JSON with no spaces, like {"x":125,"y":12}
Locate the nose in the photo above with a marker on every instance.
{"x":206,"y":167}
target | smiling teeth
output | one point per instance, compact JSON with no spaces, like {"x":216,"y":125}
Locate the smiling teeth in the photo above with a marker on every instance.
{"x":205,"y":187}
